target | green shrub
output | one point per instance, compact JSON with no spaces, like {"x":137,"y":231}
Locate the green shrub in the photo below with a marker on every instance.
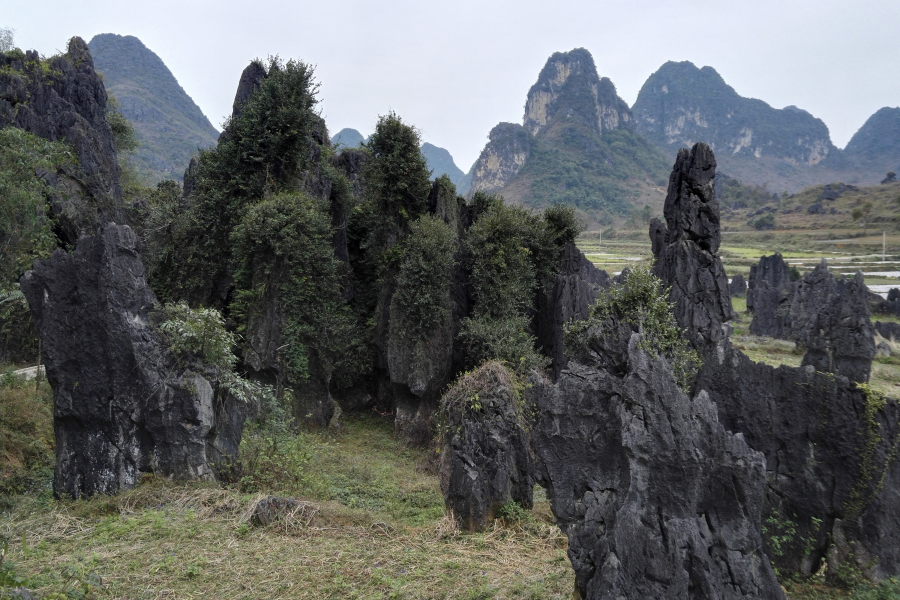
{"x":498,"y":250}
{"x":764,"y":222}
{"x":283,"y":244}
{"x":26,"y":436}
{"x":505,"y":339}
{"x":642,"y":303}
{"x":264,"y":151}
{"x":26,"y":229}
{"x":192,"y":334}
{"x":396,"y":177}
{"x":426,"y":275}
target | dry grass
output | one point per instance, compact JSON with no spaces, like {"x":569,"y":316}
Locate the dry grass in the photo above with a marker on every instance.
{"x":163,"y":540}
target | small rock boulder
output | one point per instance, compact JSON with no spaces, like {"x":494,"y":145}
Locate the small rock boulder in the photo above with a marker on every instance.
{"x":888,"y":330}
{"x":485,"y":459}
{"x":738,"y":286}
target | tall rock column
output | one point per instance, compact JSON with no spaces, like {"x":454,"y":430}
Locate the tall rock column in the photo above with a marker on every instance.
{"x":686,"y":248}
{"x":123,"y":406}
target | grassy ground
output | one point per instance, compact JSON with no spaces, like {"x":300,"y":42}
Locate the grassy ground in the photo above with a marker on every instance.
{"x":372,"y":526}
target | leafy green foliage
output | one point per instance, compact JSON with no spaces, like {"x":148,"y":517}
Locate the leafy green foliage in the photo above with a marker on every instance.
{"x":498,"y":249}
{"x":396,"y":175}
{"x":262,"y":152}
{"x":26,"y":227}
{"x":284,"y":244}
{"x":574,"y":166}
{"x":124,"y":137}
{"x":511,"y":252}
{"x":642,"y":303}
{"x":198,"y":332}
{"x":201,"y":334}
{"x":426,"y":274}
{"x":26,"y":436}
{"x":26,"y":230}
{"x":764,"y":222}
{"x":505,"y":339}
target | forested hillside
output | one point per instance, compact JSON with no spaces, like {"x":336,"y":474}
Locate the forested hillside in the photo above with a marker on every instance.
{"x":169,"y":126}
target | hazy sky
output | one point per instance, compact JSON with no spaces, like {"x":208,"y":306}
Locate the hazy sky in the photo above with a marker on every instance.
{"x":456,"y":69}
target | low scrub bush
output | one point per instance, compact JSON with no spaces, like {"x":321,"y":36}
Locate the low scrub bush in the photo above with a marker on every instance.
{"x":641,"y":302}
{"x":26,"y":436}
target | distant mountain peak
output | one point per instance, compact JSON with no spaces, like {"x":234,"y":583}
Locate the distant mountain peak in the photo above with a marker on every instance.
{"x":347,"y":137}
{"x":569,"y":85}
{"x":169,"y":126}
{"x":680,"y":105}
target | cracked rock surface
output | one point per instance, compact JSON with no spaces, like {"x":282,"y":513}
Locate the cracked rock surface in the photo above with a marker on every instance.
{"x":657,"y":499}
{"x":122,"y":405}
{"x":686,"y":249}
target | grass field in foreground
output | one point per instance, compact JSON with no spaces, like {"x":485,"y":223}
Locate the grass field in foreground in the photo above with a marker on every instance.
{"x":186,"y":541}
{"x":370,"y":524}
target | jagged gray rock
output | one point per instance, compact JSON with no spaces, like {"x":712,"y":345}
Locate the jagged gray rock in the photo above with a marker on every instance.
{"x":67,"y":102}
{"x":768,"y":297}
{"x":122,"y":404}
{"x":656,"y":498}
{"x":685,"y":249}
{"x":830,"y":446}
{"x":888,"y":330}
{"x":574,"y":292}
{"x":738,"y":286}
{"x":832,"y":474}
{"x":485,"y":459}
{"x":830,"y":317}
{"x":251,"y":80}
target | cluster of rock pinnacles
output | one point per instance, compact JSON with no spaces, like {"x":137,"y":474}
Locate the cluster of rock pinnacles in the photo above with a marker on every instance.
{"x":662,"y":493}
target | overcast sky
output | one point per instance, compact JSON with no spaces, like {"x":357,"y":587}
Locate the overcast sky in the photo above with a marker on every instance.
{"x":456,"y":69}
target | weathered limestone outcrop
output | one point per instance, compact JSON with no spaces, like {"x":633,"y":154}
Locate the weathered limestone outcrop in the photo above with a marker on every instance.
{"x":830,"y":317}
{"x":888,"y":330}
{"x":831,"y":447}
{"x":123,"y":405}
{"x":485,"y":458}
{"x":831,"y":461}
{"x":251,"y":80}
{"x":686,"y":249}
{"x":573,"y":75}
{"x":768,"y":297}
{"x":65,"y":100}
{"x":574,"y":292}
{"x":738,"y":286}
{"x":504,"y":155}
{"x":657,"y":499}
{"x":420,"y":359}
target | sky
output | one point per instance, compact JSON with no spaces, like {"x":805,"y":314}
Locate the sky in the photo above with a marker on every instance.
{"x":456,"y":69}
